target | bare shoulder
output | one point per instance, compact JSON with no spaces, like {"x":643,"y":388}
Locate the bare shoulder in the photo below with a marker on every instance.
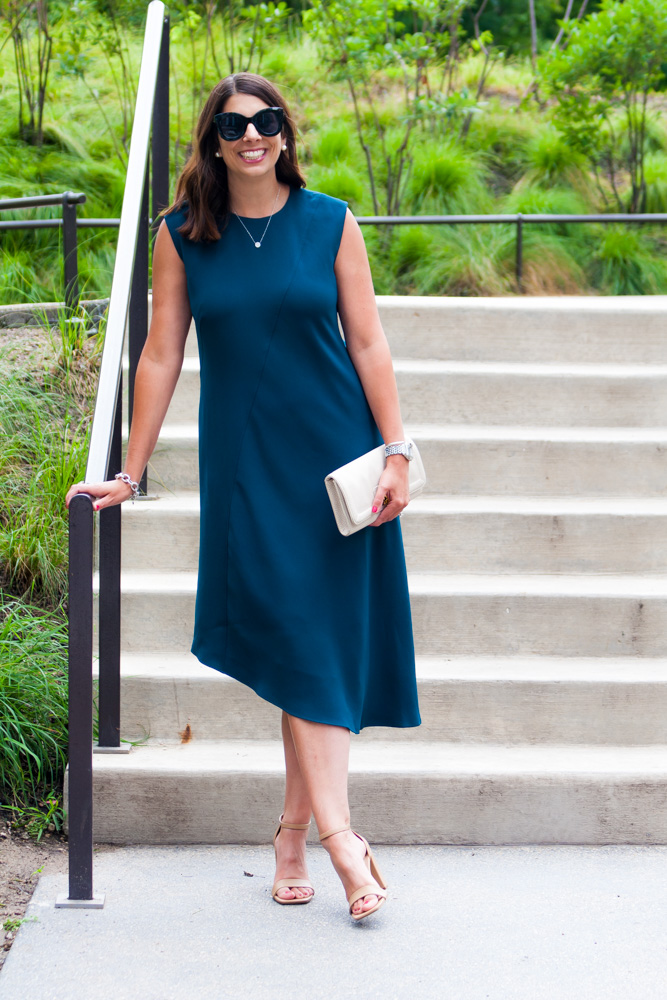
{"x":352,"y":253}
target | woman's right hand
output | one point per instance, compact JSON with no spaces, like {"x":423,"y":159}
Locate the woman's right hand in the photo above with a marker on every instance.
{"x":107,"y":494}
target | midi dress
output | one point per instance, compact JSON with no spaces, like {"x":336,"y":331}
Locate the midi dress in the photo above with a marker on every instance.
{"x":314,"y":622}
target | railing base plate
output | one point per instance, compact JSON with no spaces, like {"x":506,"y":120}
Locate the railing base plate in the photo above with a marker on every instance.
{"x":96,"y":903}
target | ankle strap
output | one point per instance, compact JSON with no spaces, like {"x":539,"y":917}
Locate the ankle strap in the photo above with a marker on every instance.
{"x":294,"y":826}
{"x":330,"y":833}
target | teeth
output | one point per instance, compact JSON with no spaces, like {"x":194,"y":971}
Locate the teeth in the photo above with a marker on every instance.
{"x":253,"y":155}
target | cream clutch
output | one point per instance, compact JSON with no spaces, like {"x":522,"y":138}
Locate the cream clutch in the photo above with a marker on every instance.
{"x":352,"y":487}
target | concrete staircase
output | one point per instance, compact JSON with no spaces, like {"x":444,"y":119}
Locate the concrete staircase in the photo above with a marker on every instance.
{"x":538,"y":574}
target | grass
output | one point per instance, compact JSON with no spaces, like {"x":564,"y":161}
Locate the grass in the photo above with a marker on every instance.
{"x":45,"y":408}
{"x":33,"y":713}
{"x":44,"y":418}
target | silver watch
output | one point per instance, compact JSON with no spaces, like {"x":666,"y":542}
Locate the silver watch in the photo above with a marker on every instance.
{"x":399,"y":448}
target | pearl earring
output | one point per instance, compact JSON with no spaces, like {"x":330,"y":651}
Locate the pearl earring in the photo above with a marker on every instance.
{"x":217,"y":152}
{"x":284,"y":145}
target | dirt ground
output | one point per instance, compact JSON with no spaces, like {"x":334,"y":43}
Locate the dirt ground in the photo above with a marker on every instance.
{"x":22,"y":861}
{"x":27,"y":346}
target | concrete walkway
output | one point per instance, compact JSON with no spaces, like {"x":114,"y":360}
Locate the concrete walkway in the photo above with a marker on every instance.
{"x":460,"y":923}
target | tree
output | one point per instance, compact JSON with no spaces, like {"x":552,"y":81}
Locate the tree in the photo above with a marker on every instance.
{"x":613,"y":59}
{"x":364,"y":40}
{"x":29,"y":31}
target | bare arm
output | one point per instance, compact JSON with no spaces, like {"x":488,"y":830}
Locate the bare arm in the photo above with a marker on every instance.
{"x":368,"y":348}
{"x":157,"y":372}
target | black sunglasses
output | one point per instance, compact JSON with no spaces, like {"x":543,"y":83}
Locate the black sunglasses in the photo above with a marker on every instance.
{"x":231,"y":125}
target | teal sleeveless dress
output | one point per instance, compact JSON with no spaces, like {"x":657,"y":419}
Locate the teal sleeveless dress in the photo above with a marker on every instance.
{"x":316,"y":623}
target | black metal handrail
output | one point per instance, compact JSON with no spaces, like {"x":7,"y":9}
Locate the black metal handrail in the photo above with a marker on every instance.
{"x":69,"y":223}
{"x":518,"y":219}
{"x":129,"y":297}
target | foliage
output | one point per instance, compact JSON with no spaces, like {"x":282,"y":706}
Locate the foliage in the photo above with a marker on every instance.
{"x":625,"y":262}
{"x":601,"y":81}
{"x":469,"y":150}
{"x":30,"y":32}
{"x":655,"y":172}
{"x":509,"y":22}
{"x":44,"y":431}
{"x":551,"y":161}
{"x":447,"y":178}
{"x":100,"y":23}
{"x":33,"y":711}
{"x":362,"y":41}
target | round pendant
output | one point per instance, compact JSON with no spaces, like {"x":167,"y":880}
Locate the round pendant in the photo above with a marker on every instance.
{"x":258,"y":244}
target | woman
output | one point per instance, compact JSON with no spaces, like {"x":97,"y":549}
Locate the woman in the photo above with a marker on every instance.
{"x":316,"y":623}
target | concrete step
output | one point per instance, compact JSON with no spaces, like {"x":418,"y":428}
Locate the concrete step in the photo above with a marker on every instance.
{"x":483,"y":392}
{"x":567,"y":328}
{"x":459,"y":534}
{"x":496,"y":699}
{"x":458,"y":614}
{"x":400,"y":793}
{"x":480,"y":459}
{"x":564,"y":328}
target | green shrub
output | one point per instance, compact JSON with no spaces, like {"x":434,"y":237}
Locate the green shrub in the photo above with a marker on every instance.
{"x":339,"y":181}
{"x":332,"y":144}
{"x":446,"y":178}
{"x":410,"y":247}
{"x":467,"y":260}
{"x":655,"y":173}
{"x":551,"y":160}
{"x":626,"y":263}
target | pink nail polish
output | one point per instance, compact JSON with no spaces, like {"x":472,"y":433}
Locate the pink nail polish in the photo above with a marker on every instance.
{"x":375,"y":510}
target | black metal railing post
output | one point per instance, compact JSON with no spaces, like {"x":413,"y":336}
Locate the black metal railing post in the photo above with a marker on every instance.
{"x":70,"y":251}
{"x":79,"y":804}
{"x":519,"y":252}
{"x":160,"y":136}
{"x":110,"y":597}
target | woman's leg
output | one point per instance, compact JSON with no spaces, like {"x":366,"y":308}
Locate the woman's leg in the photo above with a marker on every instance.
{"x":323,"y":754}
{"x":291,"y":844}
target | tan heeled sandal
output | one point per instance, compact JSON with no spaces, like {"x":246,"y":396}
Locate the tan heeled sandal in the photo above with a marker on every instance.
{"x":284,"y":883}
{"x":368,"y":889}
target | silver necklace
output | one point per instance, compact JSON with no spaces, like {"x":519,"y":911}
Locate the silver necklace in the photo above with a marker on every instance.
{"x":258,"y":244}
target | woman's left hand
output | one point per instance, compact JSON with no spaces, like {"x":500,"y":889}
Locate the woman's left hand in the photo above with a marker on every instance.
{"x":394,"y":484}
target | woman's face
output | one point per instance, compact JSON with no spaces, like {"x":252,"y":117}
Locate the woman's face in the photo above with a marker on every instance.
{"x":252,"y":142}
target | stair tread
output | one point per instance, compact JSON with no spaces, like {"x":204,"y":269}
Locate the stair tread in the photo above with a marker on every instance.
{"x":628,"y":305}
{"x":546,"y":669}
{"x":382,"y":757}
{"x":533,"y":584}
{"x":526,"y":432}
{"x":557,"y":369}
{"x":189,"y":503}
{"x":484,"y":432}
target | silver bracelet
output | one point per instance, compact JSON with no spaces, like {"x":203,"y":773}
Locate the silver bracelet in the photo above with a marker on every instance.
{"x":126,"y":479}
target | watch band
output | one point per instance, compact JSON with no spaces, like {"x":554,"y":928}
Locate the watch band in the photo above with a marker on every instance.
{"x":403,"y":448}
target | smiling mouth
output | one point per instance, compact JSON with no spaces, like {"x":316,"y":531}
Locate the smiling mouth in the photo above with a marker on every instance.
{"x":252,"y":155}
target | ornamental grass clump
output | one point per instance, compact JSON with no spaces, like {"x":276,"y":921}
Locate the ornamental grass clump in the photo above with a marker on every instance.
{"x":33,"y":711}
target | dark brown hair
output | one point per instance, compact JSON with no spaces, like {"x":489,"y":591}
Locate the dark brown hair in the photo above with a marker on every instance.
{"x":203,"y":180}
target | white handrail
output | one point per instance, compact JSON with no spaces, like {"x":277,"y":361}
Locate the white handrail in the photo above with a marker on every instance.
{"x":107,"y":388}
